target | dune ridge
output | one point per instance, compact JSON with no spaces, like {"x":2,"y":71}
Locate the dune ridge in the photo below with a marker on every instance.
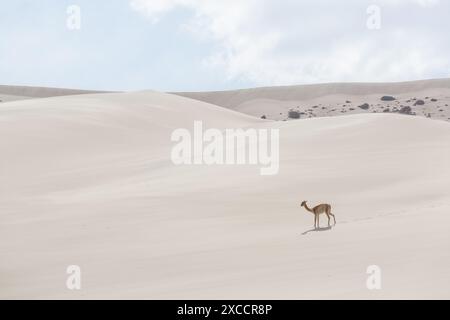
{"x":12,"y":93}
{"x":331,"y":99}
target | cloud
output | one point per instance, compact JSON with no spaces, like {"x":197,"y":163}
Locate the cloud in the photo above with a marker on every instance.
{"x":428,"y":3}
{"x":423,"y":3}
{"x":155,"y":8}
{"x":276,"y":42}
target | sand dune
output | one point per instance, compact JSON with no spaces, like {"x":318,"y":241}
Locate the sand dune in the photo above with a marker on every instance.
{"x":332,"y":99}
{"x":87,"y":180}
{"x":13,"y":93}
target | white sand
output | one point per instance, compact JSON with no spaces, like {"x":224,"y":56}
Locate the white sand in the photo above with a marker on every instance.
{"x":87,"y":180}
{"x":11,"y":93}
{"x":10,"y":97}
{"x":323,"y":100}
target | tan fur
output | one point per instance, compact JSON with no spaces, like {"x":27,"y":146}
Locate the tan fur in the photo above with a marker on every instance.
{"x":318,"y":210}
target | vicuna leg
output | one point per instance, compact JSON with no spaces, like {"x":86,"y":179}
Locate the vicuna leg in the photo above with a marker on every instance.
{"x":334,"y":218}
{"x":318,"y":223}
{"x":328,"y":216}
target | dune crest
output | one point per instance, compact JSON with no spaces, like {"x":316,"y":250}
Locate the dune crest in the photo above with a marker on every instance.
{"x":331,"y":99}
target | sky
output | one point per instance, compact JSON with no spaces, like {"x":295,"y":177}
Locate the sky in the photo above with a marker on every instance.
{"x":202,"y":45}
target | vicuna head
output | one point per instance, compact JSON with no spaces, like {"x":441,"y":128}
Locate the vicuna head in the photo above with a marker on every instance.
{"x":303,"y":203}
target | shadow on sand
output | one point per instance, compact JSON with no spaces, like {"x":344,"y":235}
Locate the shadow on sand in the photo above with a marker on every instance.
{"x":317,"y":229}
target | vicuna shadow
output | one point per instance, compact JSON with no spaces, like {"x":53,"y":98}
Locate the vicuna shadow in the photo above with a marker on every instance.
{"x":317,"y":229}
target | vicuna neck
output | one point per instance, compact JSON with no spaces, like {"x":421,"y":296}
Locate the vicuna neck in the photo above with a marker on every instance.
{"x":307,"y":208}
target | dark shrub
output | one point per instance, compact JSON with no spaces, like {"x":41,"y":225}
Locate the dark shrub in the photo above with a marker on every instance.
{"x":364,"y":106}
{"x":294,"y":114}
{"x":405,"y":110}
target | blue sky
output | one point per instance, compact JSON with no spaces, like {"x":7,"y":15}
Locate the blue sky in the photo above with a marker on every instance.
{"x":196,"y":45}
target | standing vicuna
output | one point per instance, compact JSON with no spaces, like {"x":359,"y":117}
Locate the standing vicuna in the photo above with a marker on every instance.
{"x":318,"y":210}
